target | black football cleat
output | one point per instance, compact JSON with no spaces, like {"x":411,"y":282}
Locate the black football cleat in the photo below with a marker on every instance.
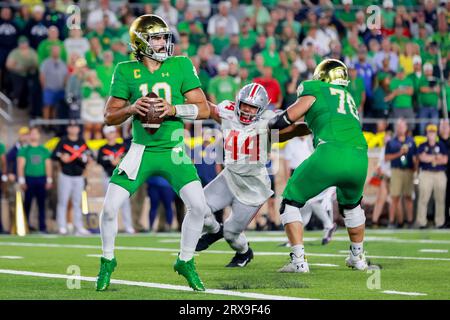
{"x":208,"y":239}
{"x":241,"y":259}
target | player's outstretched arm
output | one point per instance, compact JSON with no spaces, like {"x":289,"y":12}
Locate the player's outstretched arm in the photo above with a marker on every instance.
{"x":293,"y":113}
{"x":117,"y":110}
{"x":214,"y":112}
{"x":295,"y":130}
{"x":197,"y":97}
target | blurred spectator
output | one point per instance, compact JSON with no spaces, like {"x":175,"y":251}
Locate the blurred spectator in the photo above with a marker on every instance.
{"x":202,"y":8}
{"x":415,"y":77}
{"x":73,"y":89}
{"x":382,"y":175}
{"x":72,"y":154}
{"x":270,"y":54}
{"x":95,"y":53}
{"x":22,"y":65}
{"x":98,"y":14}
{"x":237,"y":10}
{"x":45,"y":47}
{"x":223,"y":19}
{"x":34,"y":172}
{"x":220,"y":40}
{"x":429,"y":91}
{"x":292,"y":85}
{"x":168,"y":13}
{"x":9,"y":33}
{"x":386,"y":52}
{"x":356,"y":88}
{"x":92,"y":105}
{"x":76,"y":43}
{"x":222,"y":87}
{"x":159,"y":190}
{"x":388,"y":14}
{"x":11,"y":157}
{"x":401,"y":96}
{"x":259,"y":13}
{"x":444,"y":137}
{"x":57,"y":17}
{"x":53,"y":78}
{"x":365,"y":71}
{"x":119,"y":51}
{"x":346,"y":15}
{"x":103,"y":35}
{"x":105,"y":72}
{"x":233,"y":66}
{"x":36,"y":29}
{"x":233,"y":49}
{"x":22,"y":17}
{"x":187,"y":48}
{"x":4,"y":179}
{"x":433,"y":158}
{"x":350,"y":44}
{"x":380,"y":108}
{"x":336,"y":50}
{"x":248,"y":63}
{"x":401,"y":152}
{"x":109,"y":157}
{"x":272,"y":87}
{"x":260,"y":45}
{"x":406,"y":58}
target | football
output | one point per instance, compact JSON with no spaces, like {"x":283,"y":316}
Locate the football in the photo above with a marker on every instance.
{"x":151,"y":121}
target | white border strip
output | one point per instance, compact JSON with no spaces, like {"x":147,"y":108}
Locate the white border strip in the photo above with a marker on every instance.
{"x":154,"y":285}
{"x":404,"y":293}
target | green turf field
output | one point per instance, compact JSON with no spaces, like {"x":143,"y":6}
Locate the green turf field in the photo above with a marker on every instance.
{"x":415,"y":265}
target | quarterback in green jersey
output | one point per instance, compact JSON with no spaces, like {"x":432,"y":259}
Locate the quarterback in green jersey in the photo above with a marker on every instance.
{"x":175,"y":81}
{"x":340,"y":160}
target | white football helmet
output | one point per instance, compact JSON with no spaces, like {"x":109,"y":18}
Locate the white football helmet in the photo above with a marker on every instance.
{"x":255,"y":95}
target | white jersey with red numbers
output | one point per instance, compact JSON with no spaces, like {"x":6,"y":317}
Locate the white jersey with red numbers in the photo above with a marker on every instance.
{"x":246,"y":154}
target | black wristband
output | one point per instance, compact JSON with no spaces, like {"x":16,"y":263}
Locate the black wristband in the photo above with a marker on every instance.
{"x":280,"y":121}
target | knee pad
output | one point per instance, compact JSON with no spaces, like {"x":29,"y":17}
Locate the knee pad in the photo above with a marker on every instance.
{"x":289,"y":213}
{"x":354,"y":217}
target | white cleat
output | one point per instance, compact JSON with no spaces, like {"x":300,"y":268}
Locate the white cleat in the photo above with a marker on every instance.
{"x":357,"y":262}
{"x":62,"y":231}
{"x":299,"y":265}
{"x":130,"y":231}
{"x":82,"y":232}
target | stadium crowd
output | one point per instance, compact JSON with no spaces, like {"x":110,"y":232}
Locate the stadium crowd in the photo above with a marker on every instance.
{"x":57,"y":62}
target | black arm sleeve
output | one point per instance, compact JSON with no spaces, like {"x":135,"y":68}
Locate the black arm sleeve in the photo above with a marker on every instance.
{"x":280,"y":121}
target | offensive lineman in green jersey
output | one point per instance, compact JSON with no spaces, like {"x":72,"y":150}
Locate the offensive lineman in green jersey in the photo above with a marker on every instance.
{"x":161,"y":153}
{"x":340,"y":159}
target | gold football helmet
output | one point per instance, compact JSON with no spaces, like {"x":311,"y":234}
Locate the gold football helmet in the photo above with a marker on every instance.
{"x":142,"y":32}
{"x":332,"y":71}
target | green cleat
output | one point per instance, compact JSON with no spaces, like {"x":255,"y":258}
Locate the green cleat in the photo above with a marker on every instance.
{"x":104,"y":275}
{"x":187,"y":270}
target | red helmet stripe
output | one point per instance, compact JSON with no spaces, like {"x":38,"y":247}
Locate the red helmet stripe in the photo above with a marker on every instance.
{"x":252,"y":93}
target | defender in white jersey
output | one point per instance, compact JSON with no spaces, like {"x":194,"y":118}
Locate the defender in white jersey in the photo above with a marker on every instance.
{"x":244,"y":183}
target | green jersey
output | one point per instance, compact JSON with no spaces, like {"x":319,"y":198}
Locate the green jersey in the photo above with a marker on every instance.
{"x":333,"y":117}
{"x":2,"y":148}
{"x":34,"y":160}
{"x":175,"y":77}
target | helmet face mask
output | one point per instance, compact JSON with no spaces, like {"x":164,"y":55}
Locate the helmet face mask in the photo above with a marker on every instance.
{"x":142,"y":33}
{"x":253,"y":95}
{"x":332,"y":71}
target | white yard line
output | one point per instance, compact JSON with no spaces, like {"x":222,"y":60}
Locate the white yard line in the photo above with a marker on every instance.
{"x":404,"y":293}
{"x":434,"y":250}
{"x":252,"y":295}
{"x":11,"y":257}
{"x":280,"y":253}
{"x":337,"y":239}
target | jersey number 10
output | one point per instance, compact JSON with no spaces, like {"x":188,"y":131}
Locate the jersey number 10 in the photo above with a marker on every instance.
{"x":249,"y":147}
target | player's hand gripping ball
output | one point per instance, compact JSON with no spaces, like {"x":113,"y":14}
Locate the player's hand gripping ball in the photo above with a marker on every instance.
{"x":151,"y":121}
